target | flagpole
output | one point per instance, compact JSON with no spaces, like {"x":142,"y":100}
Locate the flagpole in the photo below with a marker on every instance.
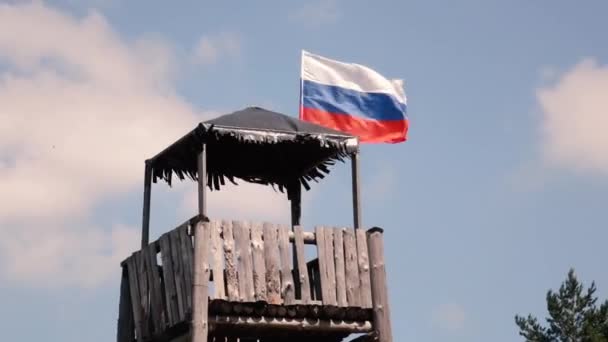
{"x":356,"y":190}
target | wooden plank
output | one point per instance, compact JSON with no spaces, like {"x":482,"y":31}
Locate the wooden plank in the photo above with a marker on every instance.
{"x":200,"y":285}
{"x":169,"y":280}
{"x":340,"y":271}
{"x":363,"y":262}
{"x":231,"y":275}
{"x":321,"y":252}
{"x":381,"y":310}
{"x":271,"y":258}
{"x":125,"y":331}
{"x":242,"y":238}
{"x":330,"y":268}
{"x":287,"y":286}
{"x":135,"y":298}
{"x":353,"y":293}
{"x":259,"y":267}
{"x":314,"y":276}
{"x":187,"y":253}
{"x":156,"y":300}
{"x":217,"y":261}
{"x":178,"y":273}
{"x":144,"y":294}
{"x":302,"y":274}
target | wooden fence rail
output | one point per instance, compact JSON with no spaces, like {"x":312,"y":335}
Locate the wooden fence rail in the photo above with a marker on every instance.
{"x":254,"y":270}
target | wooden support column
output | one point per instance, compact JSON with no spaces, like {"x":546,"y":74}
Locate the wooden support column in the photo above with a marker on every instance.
{"x":381,"y":312}
{"x":200,"y":286}
{"x":145,"y":224}
{"x":356,"y":190}
{"x":296,"y":204}
{"x":202,"y":183}
{"x":200,"y":289}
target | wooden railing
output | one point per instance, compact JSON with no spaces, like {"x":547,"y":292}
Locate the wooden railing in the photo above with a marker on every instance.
{"x":255,"y":270}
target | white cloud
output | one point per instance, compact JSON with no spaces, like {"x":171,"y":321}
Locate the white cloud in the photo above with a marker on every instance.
{"x":81,"y":110}
{"x":317,"y":13}
{"x":575,"y":115}
{"x":450,"y":317}
{"x":245,"y":201}
{"x":210,"y":49}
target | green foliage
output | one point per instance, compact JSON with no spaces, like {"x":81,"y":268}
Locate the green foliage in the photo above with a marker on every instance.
{"x":573,"y":316}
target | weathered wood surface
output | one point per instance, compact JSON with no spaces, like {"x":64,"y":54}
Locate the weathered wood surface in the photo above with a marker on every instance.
{"x":231,"y":275}
{"x":340,"y":271}
{"x":381,"y":310}
{"x":271,"y":255}
{"x":126,"y":325}
{"x":257,"y":271}
{"x":200,"y":312}
{"x":217,"y":260}
{"x":287,"y":286}
{"x":363,"y":261}
{"x":353,"y":293}
{"x":244,"y":261}
{"x":259,"y":266}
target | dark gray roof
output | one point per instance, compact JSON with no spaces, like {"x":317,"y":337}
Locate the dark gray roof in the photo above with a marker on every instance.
{"x":256,"y":145}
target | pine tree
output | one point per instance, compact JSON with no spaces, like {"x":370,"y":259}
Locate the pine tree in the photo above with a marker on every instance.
{"x":573,"y":316}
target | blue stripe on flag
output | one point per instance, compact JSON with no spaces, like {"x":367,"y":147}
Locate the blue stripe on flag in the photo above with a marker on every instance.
{"x":338,"y":100}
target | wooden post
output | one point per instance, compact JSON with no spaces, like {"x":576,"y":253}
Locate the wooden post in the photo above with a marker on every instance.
{"x":296,"y":205}
{"x":202,"y":183}
{"x":381,"y":312}
{"x":145,"y":224}
{"x":200,"y":290}
{"x":356,"y":190}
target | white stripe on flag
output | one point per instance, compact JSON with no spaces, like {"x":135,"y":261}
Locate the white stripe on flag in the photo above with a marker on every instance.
{"x":357,"y":77}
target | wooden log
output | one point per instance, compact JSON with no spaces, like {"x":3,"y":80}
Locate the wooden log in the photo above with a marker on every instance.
{"x":125,"y":331}
{"x":188,"y":267}
{"x":169,"y":280}
{"x":135,"y":296}
{"x":200,"y":290}
{"x":259,"y":266}
{"x":308,"y":237}
{"x":353,"y":293}
{"x":242,"y":238}
{"x":363,"y":261}
{"x":340,"y":271}
{"x":231,"y":275}
{"x":382,"y":320}
{"x":217,"y":261}
{"x":330,"y":268}
{"x":287,"y":287}
{"x":271,"y":259}
{"x":302,"y":271}
{"x":178,"y":271}
{"x":303,"y":324}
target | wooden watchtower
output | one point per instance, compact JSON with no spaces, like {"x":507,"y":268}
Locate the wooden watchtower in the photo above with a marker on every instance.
{"x":223,"y":279}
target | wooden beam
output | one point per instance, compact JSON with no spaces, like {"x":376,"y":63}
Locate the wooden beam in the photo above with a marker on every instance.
{"x":381,"y":311}
{"x":200,"y":290}
{"x":145,"y":224}
{"x":290,"y":324}
{"x":356,"y":190}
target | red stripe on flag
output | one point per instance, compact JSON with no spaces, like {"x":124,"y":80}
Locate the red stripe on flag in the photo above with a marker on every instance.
{"x":368,"y":131}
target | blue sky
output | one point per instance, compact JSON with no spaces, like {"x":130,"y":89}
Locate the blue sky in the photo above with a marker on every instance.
{"x":498,"y":192}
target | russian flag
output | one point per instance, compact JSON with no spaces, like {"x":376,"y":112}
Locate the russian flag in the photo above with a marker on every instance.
{"x":353,"y":99}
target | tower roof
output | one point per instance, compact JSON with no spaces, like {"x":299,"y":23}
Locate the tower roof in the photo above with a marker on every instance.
{"x":258,"y":146}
